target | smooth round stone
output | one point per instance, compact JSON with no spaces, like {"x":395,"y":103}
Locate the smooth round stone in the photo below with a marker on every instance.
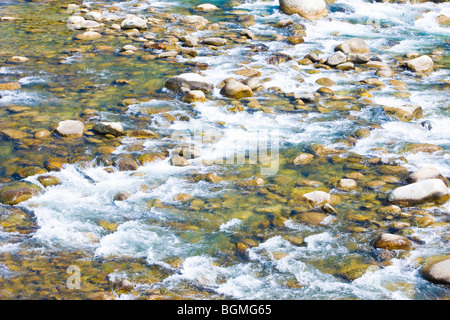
{"x":438,"y":272}
{"x":113,"y":128}
{"x":88,"y":35}
{"x":421,"y":192}
{"x":17,"y":192}
{"x":70,"y":128}
{"x":390,"y":241}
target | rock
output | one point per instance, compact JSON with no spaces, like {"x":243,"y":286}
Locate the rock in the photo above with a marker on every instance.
{"x":198,"y":21}
{"x":48,"y":180}
{"x":303,"y":159}
{"x":182,"y":197}
{"x":346,"y":184}
{"x":141,"y":134}
{"x":113,"y":128}
{"x":313,"y":218}
{"x":212,"y":177}
{"x":189,"y":41}
{"x":191,"y":81}
{"x":74,"y":22}
{"x":256,"y":182}
{"x":10,"y":86}
{"x":421,"y":192}
{"x":358,"y":58}
{"x":405,"y":113}
{"x":385,"y":73}
{"x":88,"y":35}
{"x":326,"y":82}
{"x":423,"y":147}
{"x":17,"y":60}
{"x":237,"y":90}
{"x":133,"y":22}
{"x":70,"y":128}
{"x":420,"y":64}
{"x":308,"y":9}
{"x":345,"y":66}
{"x":336,"y":59}
{"x":194,"y":96}
{"x":190,"y":153}
{"x":121,"y":196}
{"x":426,"y":174}
{"x":178,"y":161}
{"x":206,"y":7}
{"x":13,"y":134}
{"x":214,"y":41}
{"x":93,"y":15}
{"x":89,"y":24}
{"x":437,"y":272}
{"x":390,"y":241}
{"x":17,"y":192}
{"x":317,"y":197}
{"x":42,"y":134}
{"x":125,"y":285}
{"x":127,"y":164}
{"x":355,"y":45}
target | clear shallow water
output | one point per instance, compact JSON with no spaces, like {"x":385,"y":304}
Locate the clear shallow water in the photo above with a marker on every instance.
{"x":194,"y":250}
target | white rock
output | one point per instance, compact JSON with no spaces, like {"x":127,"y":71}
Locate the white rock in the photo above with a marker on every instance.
{"x":425,"y":174}
{"x":420,"y":64}
{"x":70,"y":128}
{"x":317,"y":197}
{"x":189,"y":80}
{"x":113,"y":128}
{"x":206,"y":7}
{"x":425,"y":191}
{"x":93,"y":15}
{"x":133,"y":22}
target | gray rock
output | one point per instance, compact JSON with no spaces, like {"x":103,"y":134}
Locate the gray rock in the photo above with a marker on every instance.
{"x":420,"y":64}
{"x":355,"y":45}
{"x":70,"y":128}
{"x":425,"y":174}
{"x":336,"y":59}
{"x":113,"y":128}
{"x":133,"y":22}
{"x":190,"y":81}
{"x":437,"y":272}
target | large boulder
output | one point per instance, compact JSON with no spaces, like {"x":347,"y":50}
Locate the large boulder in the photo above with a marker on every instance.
{"x":133,"y":22}
{"x":420,"y":64}
{"x":421,"y":192}
{"x":354,"y":45}
{"x":425,"y":174}
{"x":438,"y":272}
{"x":308,"y":9}
{"x":190,"y":81}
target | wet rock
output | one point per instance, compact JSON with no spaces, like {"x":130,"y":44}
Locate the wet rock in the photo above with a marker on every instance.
{"x":425,"y":174}
{"x":89,"y":24}
{"x":212,"y":177}
{"x":421,"y":192}
{"x":437,"y":272}
{"x":248,"y":34}
{"x":214,"y":41}
{"x":385,"y":73}
{"x":237,"y":90}
{"x":355,"y":45}
{"x":420,"y":64}
{"x":17,"y":60}
{"x":326,"y":82}
{"x":191,"y":81}
{"x":189,"y":41}
{"x":48,"y":180}
{"x":88,"y":35}
{"x":347,"y":184}
{"x":141,"y":134}
{"x":10,"y":86}
{"x":126,"y":164}
{"x":336,"y":59}
{"x":303,"y":159}
{"x":308,"y":9}
{"x":122,"y":196}
{"x":390,"y":241}
{"x":405,"y":113}
{"x":358,"y":58}
{"x":423,"y":147}
{"x":206,"y":7}
{"x":13,"y":134}
{"x":345,"y":66}
{"x":194,"y":96}
{"x":93,"y":15}
{"x":133,"y":22}
{"x":190,"y":153}
{"x":74,"y":22}
{"x":317,"y":198}
{"x":70,"y":128}
{"x":17,"y":192}
{"x":256,"y":182}
{"x":178,"y":161}
{"x":42,"y":134}
{"x":182,"y":197}
{"x":113,"y":128}
{"x":314,"y":218}
{"x":125,"y":286}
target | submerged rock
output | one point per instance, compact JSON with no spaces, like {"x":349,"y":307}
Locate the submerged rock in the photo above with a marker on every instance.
{"x":308,"y":9}
{"x":421,"y":192}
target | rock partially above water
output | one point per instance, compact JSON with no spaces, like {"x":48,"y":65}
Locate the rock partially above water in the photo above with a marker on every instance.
{"x":237,"y":90}
{"x":355,"y":45}
{"x":17,"y":192}
{"x":425,"y":174}
{"x":438,"y":272}
{"x":308,"y":9}
{"x":133,"y":22}
{"x":70,"y":128}
{"x":390,"y":241}
{"x":113,"y":128}
{"x":421,"y":192}
{"x":420,"y":64}
{"x":190,"y":81}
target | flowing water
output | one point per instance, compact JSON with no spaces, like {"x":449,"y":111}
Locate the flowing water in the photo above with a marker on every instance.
{"x":225,"y":239}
